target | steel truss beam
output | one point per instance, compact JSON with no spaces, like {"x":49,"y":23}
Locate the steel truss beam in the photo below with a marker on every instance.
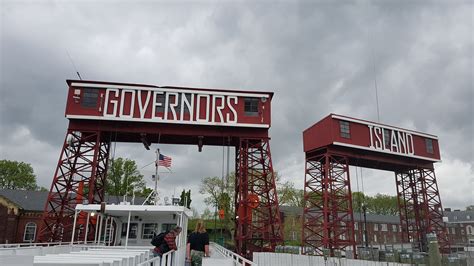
{"x":420,"y":208}
{"x":80,"y":175}
{"x":258,"y":225}
{"x":328,"y":220}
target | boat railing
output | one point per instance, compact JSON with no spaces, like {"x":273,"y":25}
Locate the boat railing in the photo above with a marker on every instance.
{"x":42,"y":244}
{"x":238,"y":260}
{"x":165,"y":260}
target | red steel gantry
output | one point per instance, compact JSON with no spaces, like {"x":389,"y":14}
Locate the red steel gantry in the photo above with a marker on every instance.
{"x":100,"y":113}
{"x":336,"y":142}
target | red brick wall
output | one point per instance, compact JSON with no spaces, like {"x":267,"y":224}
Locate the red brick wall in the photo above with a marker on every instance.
{"x":25,"y":218}
{"x":378,"y":237}
{"x":8,"y":225}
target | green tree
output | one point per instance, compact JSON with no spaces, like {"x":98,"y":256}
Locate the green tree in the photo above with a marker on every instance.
{"x":144,"y":193}
{"x":379,"y":204}
{"x":383,"y":204}
{"x":212,"y":187}
{"x":185,"y":199}
{"x":357,"y":200}
{"x":124,"y":178}
{"x":17,"y":175}
{"x":40,"y":188}
{"x":220,"y":193}
{"x":290,"y":196}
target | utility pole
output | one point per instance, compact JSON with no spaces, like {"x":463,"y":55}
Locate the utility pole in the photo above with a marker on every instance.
{"x":215,"y":224}
{"x":366,"y":236}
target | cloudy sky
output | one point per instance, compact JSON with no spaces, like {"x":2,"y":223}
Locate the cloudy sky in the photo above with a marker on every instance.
{"x":318,"y":57}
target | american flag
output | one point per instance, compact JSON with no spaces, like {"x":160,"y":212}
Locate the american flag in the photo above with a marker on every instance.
{"x":164,"y":161}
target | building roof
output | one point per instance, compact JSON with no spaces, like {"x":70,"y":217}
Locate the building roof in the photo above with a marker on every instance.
{"x":290,"y":210}
{"x":35,"y":200}
{"x":380,"y":218}
{"x":71,"y":81}
{"x":458,"y":216}
{"x":26,"y":199}
{"x":358,"y":217}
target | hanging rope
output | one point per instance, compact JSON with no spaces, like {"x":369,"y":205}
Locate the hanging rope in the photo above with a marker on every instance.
{"x":223,"y":164}
{"x":361,"y":199}
{"x":362,"y":183}
{"x":112,"y":159}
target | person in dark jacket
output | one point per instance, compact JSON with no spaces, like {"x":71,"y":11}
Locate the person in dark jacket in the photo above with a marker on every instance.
{"x":198,"y":245}
{"x":169,"y":242}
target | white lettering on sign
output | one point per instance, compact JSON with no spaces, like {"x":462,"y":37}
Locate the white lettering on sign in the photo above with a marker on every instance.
{"x":170,"y":106}
{"x":113,"y":101}
{"x":386,"y":139}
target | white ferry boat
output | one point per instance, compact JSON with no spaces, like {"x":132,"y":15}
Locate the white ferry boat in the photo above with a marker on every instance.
{"x":128,"y":245}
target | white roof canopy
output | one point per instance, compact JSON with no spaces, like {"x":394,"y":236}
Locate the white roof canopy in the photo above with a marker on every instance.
{"x":141,"y":210}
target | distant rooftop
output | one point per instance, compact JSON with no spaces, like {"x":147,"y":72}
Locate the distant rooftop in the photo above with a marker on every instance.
{"x":26,"y":199}
{"x":458,"y":216}
{"x":34,"y":200}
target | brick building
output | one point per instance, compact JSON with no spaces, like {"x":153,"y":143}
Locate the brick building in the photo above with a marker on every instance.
{"x":20,"y":215}
{"x":381,"y":229}
{"x":385,"y":229}
{"x":460,"y":227}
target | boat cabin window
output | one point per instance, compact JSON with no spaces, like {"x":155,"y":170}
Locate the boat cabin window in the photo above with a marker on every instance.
{"x":132,"y":233}
{"x":167,"y":227}
{"x":149,"y":229}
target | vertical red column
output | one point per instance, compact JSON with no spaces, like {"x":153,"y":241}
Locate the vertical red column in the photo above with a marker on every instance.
{"x":328,"y":220}
{"x":433,"y":210}
{"x":406,"y":206}
{"x":258,"y":225}
{"x":314,"y":234}
{"x":80,"y":174}
{"x":420,"y":208}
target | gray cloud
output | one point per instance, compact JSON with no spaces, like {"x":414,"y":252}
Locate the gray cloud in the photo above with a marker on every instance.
{"x":318,"y":57}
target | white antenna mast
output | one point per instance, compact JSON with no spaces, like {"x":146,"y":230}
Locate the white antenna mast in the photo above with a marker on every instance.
{"x":157,"y":176}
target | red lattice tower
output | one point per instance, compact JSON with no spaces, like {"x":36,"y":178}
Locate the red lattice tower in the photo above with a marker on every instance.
{"x":258,"y":225}
{"x":80,"y":175}
{"x":328,"y":221}
{"x":337,"y":141}
{"x":147,"y":114}
{"x":420,"y":208}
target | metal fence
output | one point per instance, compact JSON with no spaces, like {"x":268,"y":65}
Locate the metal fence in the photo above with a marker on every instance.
{"x":283,"y":259}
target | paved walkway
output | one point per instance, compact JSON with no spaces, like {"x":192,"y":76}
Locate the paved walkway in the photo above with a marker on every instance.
{"x":215,"y":254}
{"x":216,"y":259}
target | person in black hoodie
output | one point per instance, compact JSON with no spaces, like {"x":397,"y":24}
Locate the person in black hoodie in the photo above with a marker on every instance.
{"x":198,"y":245}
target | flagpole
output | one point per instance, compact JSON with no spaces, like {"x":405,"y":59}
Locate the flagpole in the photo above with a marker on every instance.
{"x":156,"y":175}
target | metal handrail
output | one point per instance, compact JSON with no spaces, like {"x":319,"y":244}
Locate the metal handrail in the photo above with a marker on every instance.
{"x":165,"y":259}
{"x":239,"y":260}
{"x":41,"y":244}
